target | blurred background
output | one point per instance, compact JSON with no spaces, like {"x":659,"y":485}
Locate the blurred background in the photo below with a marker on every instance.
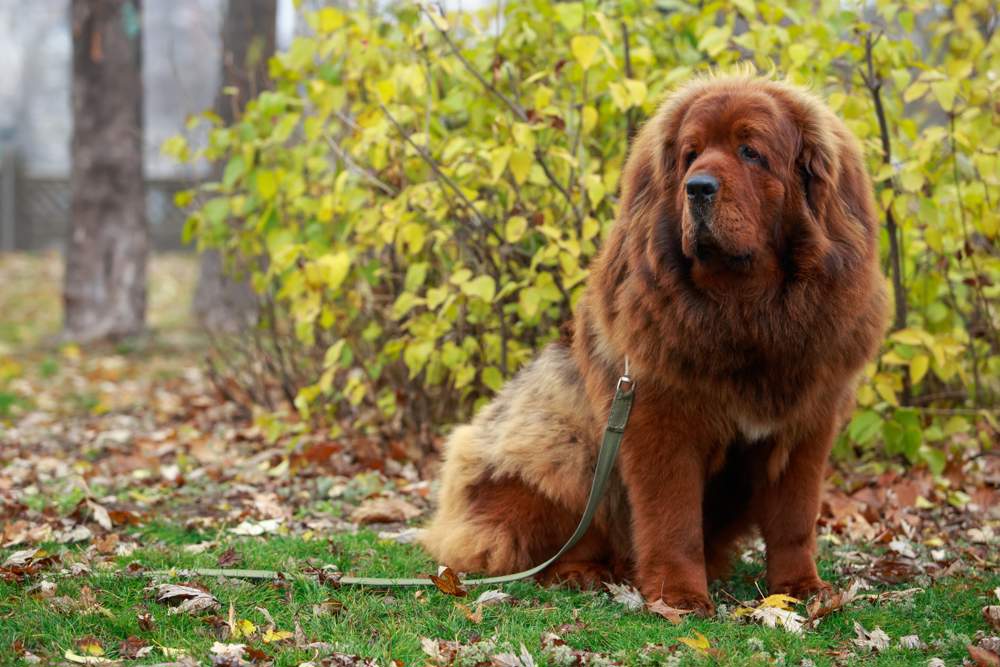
{"x":396,"y":203}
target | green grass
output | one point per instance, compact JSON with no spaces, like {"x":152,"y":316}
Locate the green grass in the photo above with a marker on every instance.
{"x":390,"y":625}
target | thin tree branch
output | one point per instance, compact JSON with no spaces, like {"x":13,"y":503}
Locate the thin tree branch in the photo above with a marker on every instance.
{"x":516,"y":108}
{"x":874,"y":85}
{"x":361,"y":170}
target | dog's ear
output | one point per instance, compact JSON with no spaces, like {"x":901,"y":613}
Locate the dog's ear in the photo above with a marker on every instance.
{"x":652,"y":163}
{"x":835,"y":183}
{"x":818,"y":163}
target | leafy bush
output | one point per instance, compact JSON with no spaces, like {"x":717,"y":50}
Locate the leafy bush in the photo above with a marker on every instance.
{"x":424,"y":192}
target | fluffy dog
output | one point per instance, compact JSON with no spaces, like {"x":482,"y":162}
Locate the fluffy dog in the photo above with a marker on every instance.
{"x":742,"y":281}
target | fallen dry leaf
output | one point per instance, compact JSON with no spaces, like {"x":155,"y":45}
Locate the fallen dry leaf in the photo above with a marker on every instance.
{"x":672,"y":614}
{"x":448,"y":583}
{"x":78,"y":659}
{"x":991,"y":614}
{"x":384,"y":510}
{"x":912,"y":642}
{"x":185,"y":599}
{"x":983,"y":657}
{"x":494,"y":597}
{"x":255,"y":528}
{"x":474,"y":616}
{"x":522,"y":659}
{"x":628,"y":596}
{"x":876,"y":640}
{"x":824,"y":605}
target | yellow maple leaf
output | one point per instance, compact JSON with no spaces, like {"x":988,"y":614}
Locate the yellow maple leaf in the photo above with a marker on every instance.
{"x":276,"y":636}
{"x":699,"y":642}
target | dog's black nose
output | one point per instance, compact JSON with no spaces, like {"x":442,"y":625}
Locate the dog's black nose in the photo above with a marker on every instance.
{"x":702,"y":186}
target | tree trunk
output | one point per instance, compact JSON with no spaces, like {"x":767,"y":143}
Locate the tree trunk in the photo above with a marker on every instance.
{"x":105,"y":282}
{"x":222,"y":302}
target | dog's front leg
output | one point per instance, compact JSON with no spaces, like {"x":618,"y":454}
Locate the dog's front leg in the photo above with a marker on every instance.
{"x":664,"y":473}
{"x":788,"y":506}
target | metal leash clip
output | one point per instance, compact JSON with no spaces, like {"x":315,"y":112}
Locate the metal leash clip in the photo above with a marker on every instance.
{"x":626,"y":380}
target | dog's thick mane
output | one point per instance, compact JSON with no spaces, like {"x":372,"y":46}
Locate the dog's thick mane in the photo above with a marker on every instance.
{"x":646,"y":302}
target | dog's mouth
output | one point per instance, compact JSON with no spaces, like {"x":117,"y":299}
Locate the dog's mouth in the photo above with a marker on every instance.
{"x":709,"y":250}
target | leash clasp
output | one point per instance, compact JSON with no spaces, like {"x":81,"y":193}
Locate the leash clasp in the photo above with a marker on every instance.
{"x":625,"y":382}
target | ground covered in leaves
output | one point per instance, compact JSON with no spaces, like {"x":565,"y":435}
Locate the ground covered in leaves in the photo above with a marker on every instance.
{"x":121,"y":467}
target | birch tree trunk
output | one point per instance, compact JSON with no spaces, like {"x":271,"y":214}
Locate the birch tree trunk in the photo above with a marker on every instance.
{"x":104,"y":293}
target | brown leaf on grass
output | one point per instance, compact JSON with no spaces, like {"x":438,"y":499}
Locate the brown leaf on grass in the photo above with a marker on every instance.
{"x":145,"y":620}
{"x":185,"y":599}
{"x":134,"y":648}
{"x":672,"y":614}
{"x":991,"y":614}
{"x":106,"y":544}
{"x":983,"y":657}
{"x":824,"y":605}
{"x":384,"y":510}
{"x":26,"y":563}
{"x":229,"y":557}
{"x":124,"y":518}
{"x":448,"y":583}
{"x":440,"y":651}
{"x":99,"y":513}
{"x":89,"y":645}
{"x":474,"y":616}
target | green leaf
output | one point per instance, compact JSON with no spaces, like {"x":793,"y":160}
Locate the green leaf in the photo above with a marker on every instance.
{"x":333,"y":268}
{"x":945,"y":92}
{"x":482,"y":287}
{"x":216,"y":210}
{"x":416,"y":354}
{"x":918,"y":367}
{"x":520,"y":165}
{"x":267,"y":184}
{"x":715,"y":40}
{"x":515,"y":228}
{"x":864,"y":426}
{"x":235,"y":169}
{"x":584,"y":48}
{"x":492,"y":378}
{"x":416,"y":274}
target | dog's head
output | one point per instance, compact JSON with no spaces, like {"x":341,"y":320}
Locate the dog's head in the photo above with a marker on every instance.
{"x":751,"y":175}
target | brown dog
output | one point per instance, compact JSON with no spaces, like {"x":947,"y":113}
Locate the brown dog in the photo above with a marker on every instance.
{"x":742,"y":281}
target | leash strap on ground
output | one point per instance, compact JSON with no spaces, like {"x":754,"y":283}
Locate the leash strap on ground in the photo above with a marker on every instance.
{"x":621,"y":406}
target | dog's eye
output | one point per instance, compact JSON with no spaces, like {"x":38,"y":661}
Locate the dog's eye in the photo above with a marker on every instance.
{"x":749,"y":154}
{"x":690,"y":157}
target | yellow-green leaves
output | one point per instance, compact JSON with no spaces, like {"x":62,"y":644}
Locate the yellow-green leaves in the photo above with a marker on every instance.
{"x":520,"y":162}
{"x":629,"y":93}
{"x":516,"y":226}
{"x":482,"y":287}
{"x":945,"y":92}
{"x":715,"y":39}
{"x":267,"y":183}
{"x":445,"y":237}
{"x":584,"y":48}
{"x":329,"y":270}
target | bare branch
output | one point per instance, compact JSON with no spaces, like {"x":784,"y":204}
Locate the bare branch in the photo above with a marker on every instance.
{"x":516,"y":108}
{"x":360,"y":170}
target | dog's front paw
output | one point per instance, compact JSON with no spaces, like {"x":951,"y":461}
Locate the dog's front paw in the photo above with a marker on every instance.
{"x":802,"y":588}
{"x":679,"y":598}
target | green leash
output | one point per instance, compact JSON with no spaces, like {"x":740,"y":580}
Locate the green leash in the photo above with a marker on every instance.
{"x":621,"y":406}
